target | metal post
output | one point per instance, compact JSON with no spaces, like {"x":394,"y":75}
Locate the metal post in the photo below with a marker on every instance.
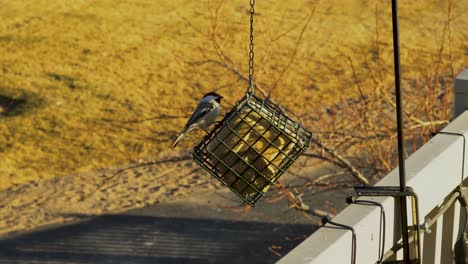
{"x":401,"y":147}
{"x":460,"y":102}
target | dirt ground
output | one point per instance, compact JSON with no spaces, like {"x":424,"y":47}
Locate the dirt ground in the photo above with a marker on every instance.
{"x":56,"y":200}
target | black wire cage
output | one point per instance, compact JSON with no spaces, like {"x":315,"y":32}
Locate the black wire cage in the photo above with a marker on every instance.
{"x":252,"y":147}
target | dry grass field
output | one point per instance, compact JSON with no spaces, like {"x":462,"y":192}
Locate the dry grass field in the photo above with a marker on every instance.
{"x":88,"y":84}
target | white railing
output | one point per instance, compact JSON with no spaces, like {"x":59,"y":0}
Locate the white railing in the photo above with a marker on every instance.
{"x":434,"y":172}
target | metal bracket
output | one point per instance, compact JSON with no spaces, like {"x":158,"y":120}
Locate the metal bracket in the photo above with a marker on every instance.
{"x":328,"y":220}
{"x":395,"y":192}
{"x":353,"y":200}
{"x":464,"y":148}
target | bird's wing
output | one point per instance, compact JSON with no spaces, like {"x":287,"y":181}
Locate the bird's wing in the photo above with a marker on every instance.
{"x":202,"y":109}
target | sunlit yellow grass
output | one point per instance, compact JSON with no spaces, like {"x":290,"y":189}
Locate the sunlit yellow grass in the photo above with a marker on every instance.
{"x":86,"y":68}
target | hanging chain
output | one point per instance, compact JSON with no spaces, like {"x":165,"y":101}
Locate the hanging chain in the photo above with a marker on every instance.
{"x":251,"y":52}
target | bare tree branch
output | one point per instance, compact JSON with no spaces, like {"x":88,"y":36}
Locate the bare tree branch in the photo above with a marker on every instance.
{"x":342,"y":162}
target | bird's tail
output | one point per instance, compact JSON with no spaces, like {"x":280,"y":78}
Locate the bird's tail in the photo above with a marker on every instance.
{"x":178,"y":139}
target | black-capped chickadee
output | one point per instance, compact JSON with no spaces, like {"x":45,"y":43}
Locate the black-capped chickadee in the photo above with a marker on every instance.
{"x":204,"y":116}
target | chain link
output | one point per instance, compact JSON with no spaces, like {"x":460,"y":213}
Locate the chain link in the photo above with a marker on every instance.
{"x":251,"y":51}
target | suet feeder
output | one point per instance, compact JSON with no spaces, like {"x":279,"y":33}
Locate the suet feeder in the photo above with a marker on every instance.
{"x":254,"y":144}
{"x":252,"y":147}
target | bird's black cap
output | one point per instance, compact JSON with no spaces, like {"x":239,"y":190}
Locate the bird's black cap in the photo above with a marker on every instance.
{"x":213,"y":94}
{"x":218,"y":97}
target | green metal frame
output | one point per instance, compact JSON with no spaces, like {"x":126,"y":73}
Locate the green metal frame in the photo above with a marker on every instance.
{"x":278,"y":124}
